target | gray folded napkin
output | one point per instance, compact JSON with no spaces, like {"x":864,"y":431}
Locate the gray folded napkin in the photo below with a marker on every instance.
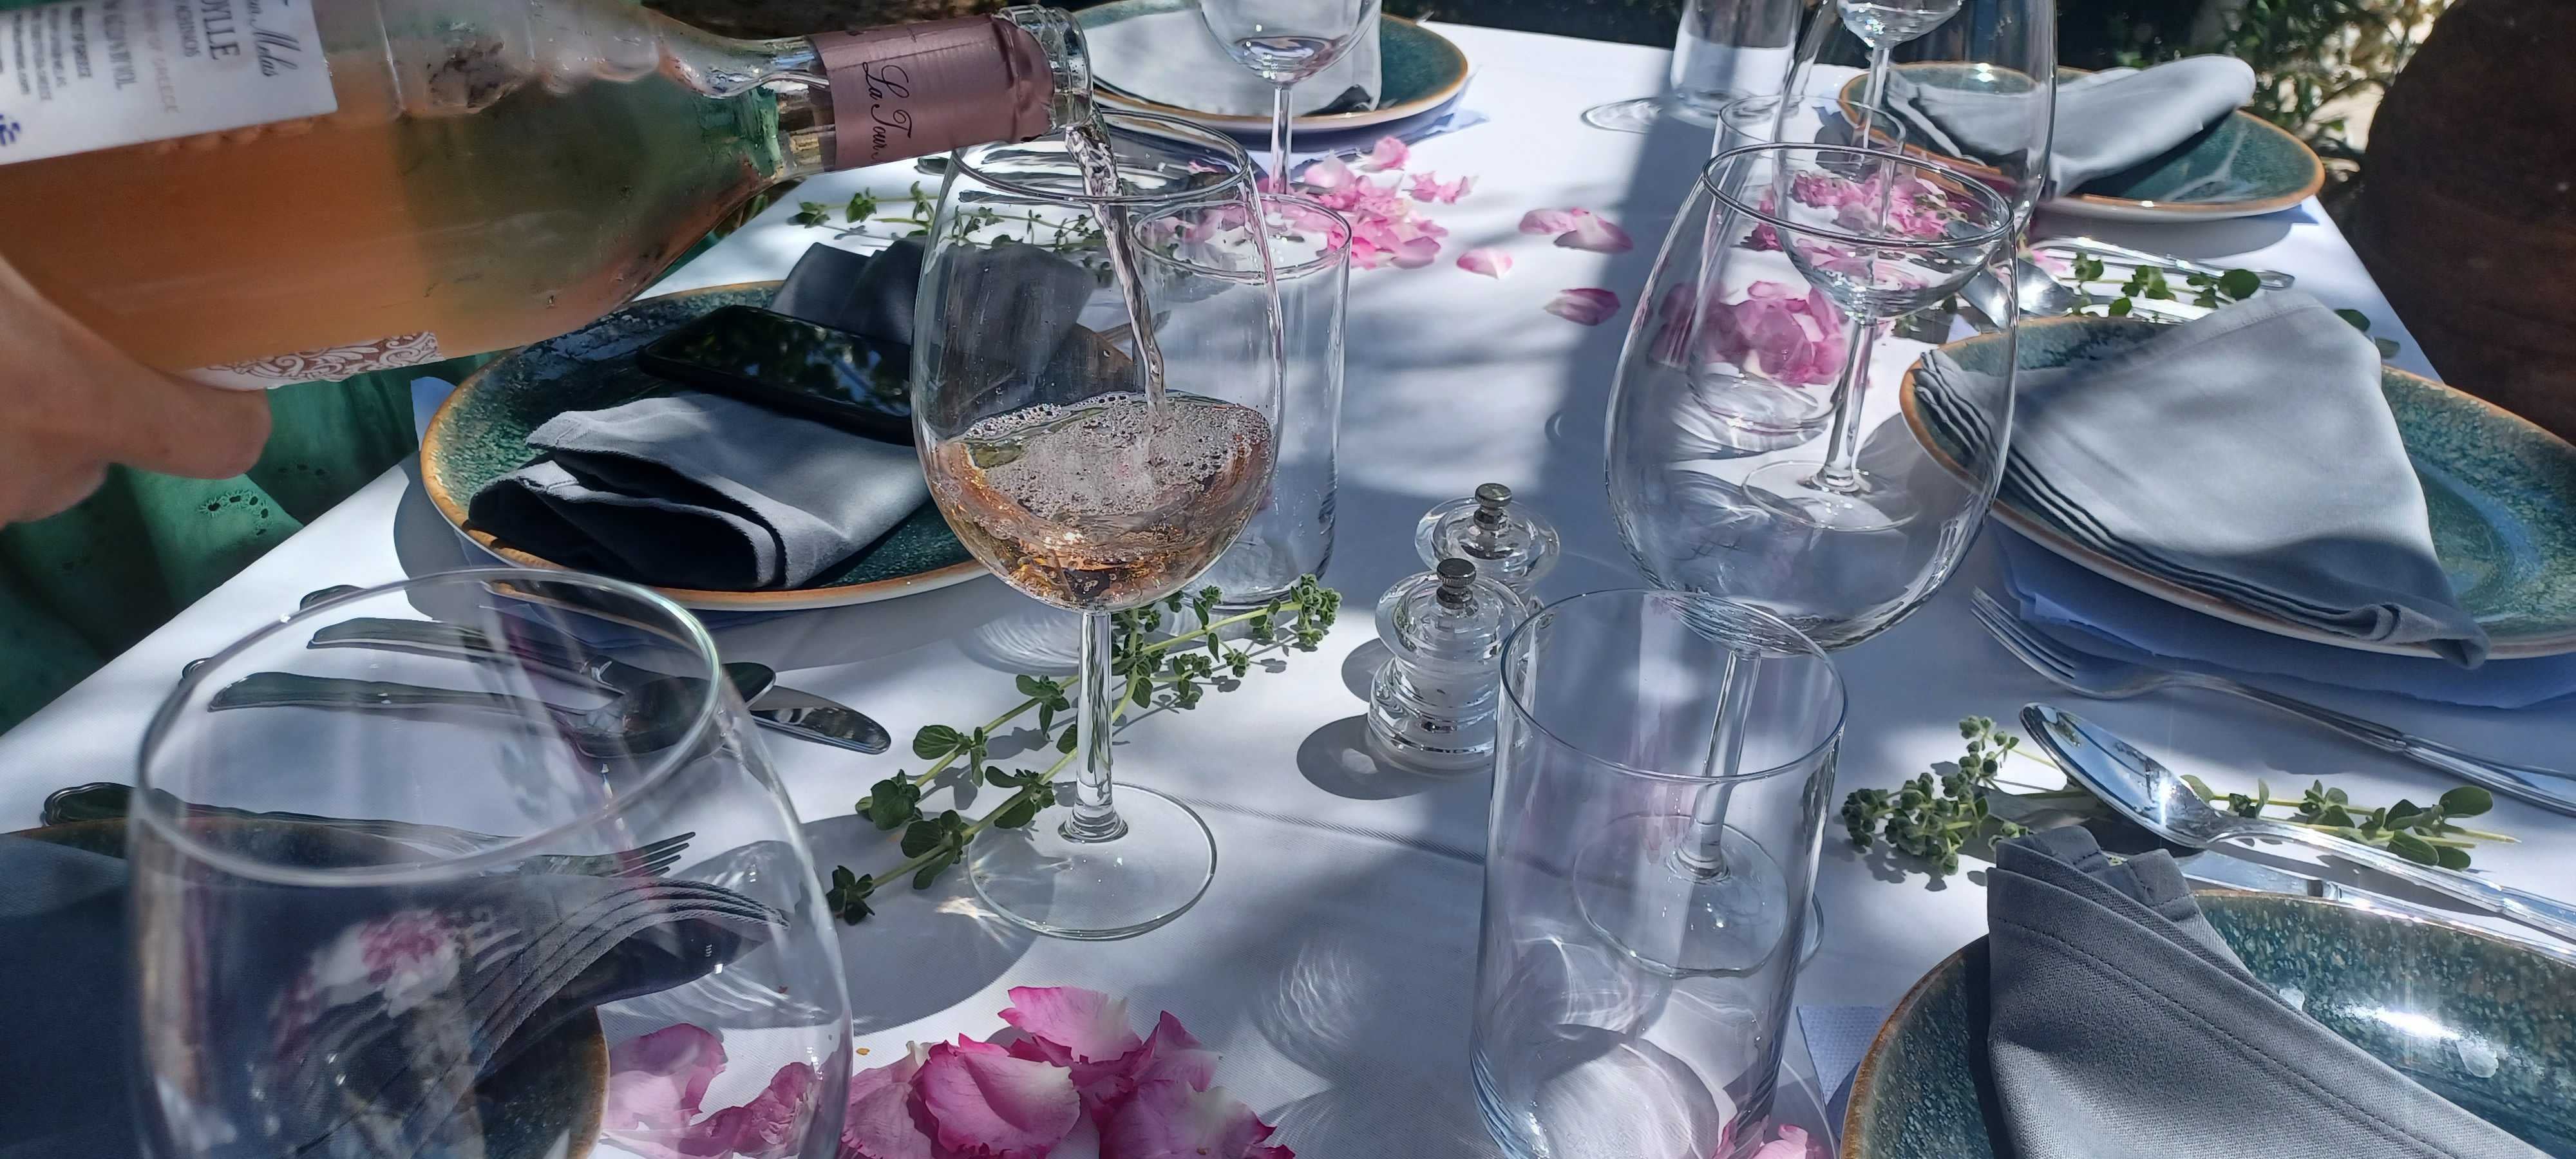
{"x":348,"y":1056}
{"x":2122,"y":1027}
{"x":2248,"y":455}
{"x":1171,"y":58}
{"x":700,"y":491}
{"x":2106,"y":122}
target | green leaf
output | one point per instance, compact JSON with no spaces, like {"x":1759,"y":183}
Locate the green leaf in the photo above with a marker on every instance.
{"x":2467,"y":801}
{"x":937,"y":740}
{"x":847,"y":899}
{"x":2088,"y":269}
{"x":930,"y":872}
{"x":1020,"y":812}
{"x":893,"y":801}
{"x":2413,"y":848}
{"x":1034,"y":687}
{"x":2451,"y":858}
{"x":2120,"y":307}
{"x":2239,"y":284}
{"x":1065,"y":743}
{"x":812,"y":213}
{"x":922,"y":837}
{"x":2357,"y":319}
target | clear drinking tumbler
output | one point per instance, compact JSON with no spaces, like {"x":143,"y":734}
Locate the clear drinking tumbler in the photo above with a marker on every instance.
{"x":1643,"y":916}
{"x":1292,"y":534}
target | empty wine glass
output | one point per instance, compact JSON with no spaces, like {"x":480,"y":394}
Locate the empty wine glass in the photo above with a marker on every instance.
{"x":1085,"y":473}
{"x":1884,"y":24}
{"x":1974,"y":80}
{"x":1287,"y":41}
{"x":388,"y":902}
{"x":1762,"y":313}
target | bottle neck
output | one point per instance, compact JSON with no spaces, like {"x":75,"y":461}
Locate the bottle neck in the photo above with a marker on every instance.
{"x":910,"y":90}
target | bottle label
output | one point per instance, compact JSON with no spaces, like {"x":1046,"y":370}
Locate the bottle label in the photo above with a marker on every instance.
{"x":79,"y":75}
{"x":320,"y":365}
{"x":914,"y":89}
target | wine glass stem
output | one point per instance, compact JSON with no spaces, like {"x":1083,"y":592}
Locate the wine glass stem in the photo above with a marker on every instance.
{"x":1882,"y":56}
{"x":1279,"y":132}
{"x":1096,"y":709}
{"x":1702,"y":853}
{"x":1841,"y":469}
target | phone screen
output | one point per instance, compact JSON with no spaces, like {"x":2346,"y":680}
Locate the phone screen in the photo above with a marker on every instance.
{"x":769,"y":358}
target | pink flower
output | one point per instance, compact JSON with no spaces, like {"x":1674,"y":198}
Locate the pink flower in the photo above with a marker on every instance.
{"x":1792,"y":340}
{"x":1589,"y":306}
{"x":1548,"y":222}
{"x":1486,"y":260}
{"x":656,"y":1081}
{"x":1427,"y":188}
{"x":1596,"y":233}
{"x":1080,"y":1025}
{"x":1388,"y":153}
{"x":986,"y":1102}
{"x":768,"y":1127}
{"x":1168,"y":1120}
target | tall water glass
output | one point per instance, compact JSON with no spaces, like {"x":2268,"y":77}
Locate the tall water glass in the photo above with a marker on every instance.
{"x":471,"y":889}
{"x":1723,"y":50}
{"x":1634,"y":979}
{"x":1292,"y":533}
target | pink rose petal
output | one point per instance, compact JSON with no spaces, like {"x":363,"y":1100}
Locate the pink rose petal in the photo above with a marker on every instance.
{"x":1087,"y":1025}
{"x":1328,"y":173}
{"x":656,"y":1081}
{"x":1430,"y":189}
{"x":1588,"y":306}
{"x":1388,"y":153}
{"x":884,"y":1121}
{"x":1168,"y":1120}
{"x":768,"y":1127}
{"x":1792,"y":1144}
{"x":1416,"y":253}
{"x":1596,"y":233}
{"x":1548,"y":222}
{"x":1486,"y":260}
{"x":1171,"y":1054}
{"x":1083,"y":1143}
{"x":987,"y":1103}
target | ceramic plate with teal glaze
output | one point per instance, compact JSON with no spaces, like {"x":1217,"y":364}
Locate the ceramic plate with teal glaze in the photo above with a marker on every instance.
{"x":2481,"y":1021}
{"x":481,"y":434}
{"x":2501,"y":494}
{"x":2239,"y":167}
{"x":1419,"y":70}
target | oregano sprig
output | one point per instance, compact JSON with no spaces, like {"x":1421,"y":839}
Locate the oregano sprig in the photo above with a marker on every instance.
{"x":1177,"y":670}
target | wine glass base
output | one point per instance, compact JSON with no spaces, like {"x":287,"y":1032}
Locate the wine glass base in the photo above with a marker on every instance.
{"x":1099,"y":891}
{"x":1639,"y":114}
{"x":1635,"y":888}
{"x":1790,"y":491}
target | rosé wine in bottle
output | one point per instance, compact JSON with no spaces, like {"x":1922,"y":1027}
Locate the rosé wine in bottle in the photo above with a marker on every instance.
{"x":256,"y":192}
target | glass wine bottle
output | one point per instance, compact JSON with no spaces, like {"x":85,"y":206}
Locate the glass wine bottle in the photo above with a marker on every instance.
{"x":265,"y":191}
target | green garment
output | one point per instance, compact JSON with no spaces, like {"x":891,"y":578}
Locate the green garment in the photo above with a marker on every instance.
{"x":84,"y":585}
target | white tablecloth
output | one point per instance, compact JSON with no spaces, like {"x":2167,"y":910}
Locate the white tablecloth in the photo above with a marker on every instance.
{"x":1331,"y":962}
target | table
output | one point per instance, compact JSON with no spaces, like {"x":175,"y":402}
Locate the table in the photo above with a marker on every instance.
{"x":1331,"y":961}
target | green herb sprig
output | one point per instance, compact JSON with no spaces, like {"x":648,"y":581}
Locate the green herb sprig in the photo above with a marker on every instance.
{"x":1176,"y":671}
{"x":2149,"y":284}
{"x":1937,"y":814}
{"x":861,"y":216}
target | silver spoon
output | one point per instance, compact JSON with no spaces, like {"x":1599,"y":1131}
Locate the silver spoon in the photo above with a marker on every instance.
{"x":2155,"y":797}
{"x":648,"y":717}
{"x":2035,"y":293}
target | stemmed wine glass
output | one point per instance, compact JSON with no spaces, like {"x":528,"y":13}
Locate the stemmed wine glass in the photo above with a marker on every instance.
{"x":1081,"y":470}
{"x":1991,"y":64}
{"x":467,"y":901}
{"x":1882,"y":25}
{"x":1287,"y":41}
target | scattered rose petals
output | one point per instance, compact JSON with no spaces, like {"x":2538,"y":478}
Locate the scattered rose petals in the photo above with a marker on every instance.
{"x":883,"y":1121}
{"x":768,"y":1127}
{"x":1792,"y":1144}
{"x":988,"y":1102}
{"x":1328,"y":173}
{"x":1594,"y":232}
{"x":1797,"y":340}
{"x":1168,"y":1120}
{"x":1589,"y":306}
{"x":1547,"y":222}
{"x":1388,"y":153}
{"x":1486,"y":260}
{"x":1085,"y":1025}
{"x":1428,"y":188}
{"x":1416,"y":252}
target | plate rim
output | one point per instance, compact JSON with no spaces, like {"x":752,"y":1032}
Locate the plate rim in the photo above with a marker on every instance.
{"x":2103,"y":207}
{"x":433,"y":445}
{"x":1866,"y":1073}
{"x":2519,"y":647}
{"x":1310,"y":122}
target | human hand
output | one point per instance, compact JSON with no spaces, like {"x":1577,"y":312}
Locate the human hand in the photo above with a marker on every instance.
{"x":70,"y":404}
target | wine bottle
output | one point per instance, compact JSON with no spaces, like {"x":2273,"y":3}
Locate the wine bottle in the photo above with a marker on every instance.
{"x":264,"y":191}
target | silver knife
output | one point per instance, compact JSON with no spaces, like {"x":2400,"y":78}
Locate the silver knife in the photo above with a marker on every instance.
{"x":818,"y":719}
{"x":2211,"y":867}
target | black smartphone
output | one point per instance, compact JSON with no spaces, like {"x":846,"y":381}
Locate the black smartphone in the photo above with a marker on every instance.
{"x":761,"y":356}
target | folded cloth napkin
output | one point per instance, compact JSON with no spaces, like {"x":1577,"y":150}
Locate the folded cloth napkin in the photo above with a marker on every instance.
{"x":700,"y":491}
{"x":1169,"y":57}
{"x":2106,"y":122}
{"x":347,"y":1014}
{"x":2104,"y":617}
{"x":2122,"y":1026}
{"x":2248,"y":455}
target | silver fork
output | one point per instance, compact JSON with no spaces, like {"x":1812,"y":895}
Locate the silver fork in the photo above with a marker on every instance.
{"x":2102,"y":678}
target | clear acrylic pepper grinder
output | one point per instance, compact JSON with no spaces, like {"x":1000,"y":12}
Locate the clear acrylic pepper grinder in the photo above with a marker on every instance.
{"x":1506,"y":542}
{"x":1431,"y":707}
